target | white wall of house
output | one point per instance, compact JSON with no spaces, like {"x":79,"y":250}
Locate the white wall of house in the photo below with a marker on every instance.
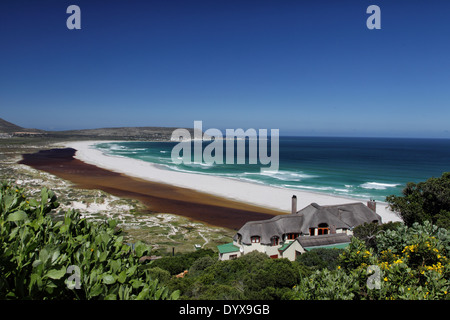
{"x":272,"y":250}
{"x":267,"y":249}
{"x":230,"y":255}
{"x":346,"y":231}
{"x":252,"y":247}
{"x":290,"y":252}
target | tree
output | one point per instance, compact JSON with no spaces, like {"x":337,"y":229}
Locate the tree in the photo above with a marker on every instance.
{"x":201,"y":264}
{"x":320,"y":258}
{"x":429,"y":200}
{"x":368,"y":231}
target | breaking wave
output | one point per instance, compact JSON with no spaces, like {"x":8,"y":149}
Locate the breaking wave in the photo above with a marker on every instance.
{"x":378,"y":185}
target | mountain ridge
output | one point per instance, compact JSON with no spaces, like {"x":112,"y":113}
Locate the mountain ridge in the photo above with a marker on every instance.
{"x":9,"y":129}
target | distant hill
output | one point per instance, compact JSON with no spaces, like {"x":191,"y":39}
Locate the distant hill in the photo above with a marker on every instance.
{"x":8,"y":129}
{"x":125,"y":133}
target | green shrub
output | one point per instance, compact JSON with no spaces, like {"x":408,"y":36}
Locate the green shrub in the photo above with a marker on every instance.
{"x":424,"y":201}
{"x":201,"y":264}
{"x":179,"y":263}
{"x":327,"y":285}
{"x":368,"y":231}
{"x":39,"y":256}
{"x":408,"y":263}
{"x":218,"y":292}
{"x":320,"y":258}
{"x":157,"y":273}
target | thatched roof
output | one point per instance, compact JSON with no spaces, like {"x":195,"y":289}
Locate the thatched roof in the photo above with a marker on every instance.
{"x":341,"y":216}
{"x":337,"y":216}
{"x":274,"y":227}
{"x":324,"y":240}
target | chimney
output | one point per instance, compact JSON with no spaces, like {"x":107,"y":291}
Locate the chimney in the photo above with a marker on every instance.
{"x":372,"y":205}
{"x":333,"y":229}
{"x":294,"y":204}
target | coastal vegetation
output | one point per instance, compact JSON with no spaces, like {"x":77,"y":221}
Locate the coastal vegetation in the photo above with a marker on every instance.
{"x":69,"y":258}
{"x":407,"y":263}
{"x":388,"y":261}
{"x":37,"y":252}
{"x":424,"y":201}
{"x":43,"y":255}
{"x":163,"y":230}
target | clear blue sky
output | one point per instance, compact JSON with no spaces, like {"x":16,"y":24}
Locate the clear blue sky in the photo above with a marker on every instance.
{"x":304,"y":67}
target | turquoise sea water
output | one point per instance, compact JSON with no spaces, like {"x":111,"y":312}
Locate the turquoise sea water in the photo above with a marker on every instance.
{"x":354,"y":167}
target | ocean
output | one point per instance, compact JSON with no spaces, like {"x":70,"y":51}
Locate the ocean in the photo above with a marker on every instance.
{"x":362,"y":168}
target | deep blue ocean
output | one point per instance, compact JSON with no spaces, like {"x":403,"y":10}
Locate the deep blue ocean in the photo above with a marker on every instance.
{"x":353,"y":167}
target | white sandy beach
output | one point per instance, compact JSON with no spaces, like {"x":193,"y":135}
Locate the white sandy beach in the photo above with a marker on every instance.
{"x":256,"y":194}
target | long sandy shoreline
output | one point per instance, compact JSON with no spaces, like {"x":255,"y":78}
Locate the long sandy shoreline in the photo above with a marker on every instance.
{"x":275,"y":198}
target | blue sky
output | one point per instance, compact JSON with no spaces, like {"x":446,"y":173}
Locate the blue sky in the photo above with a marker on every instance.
{"x":304,"y":67}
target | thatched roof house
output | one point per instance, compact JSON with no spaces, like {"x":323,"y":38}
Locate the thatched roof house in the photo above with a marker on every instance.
{"x":313,"y":218}
{"x":292,"y":234}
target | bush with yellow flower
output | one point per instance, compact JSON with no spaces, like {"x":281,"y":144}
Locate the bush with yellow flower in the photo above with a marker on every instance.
{"x":407,"y":263}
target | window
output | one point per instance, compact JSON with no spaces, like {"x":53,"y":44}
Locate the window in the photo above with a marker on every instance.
{"x":275,"y":241}
{"x":311,"y":231}
{"x":233,"y":256}
{"x":292,"y":236}
{"x":255,"y":239}
{"x":322,"y":229}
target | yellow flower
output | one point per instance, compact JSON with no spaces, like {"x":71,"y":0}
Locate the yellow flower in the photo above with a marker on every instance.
{"x":92,"y":249}
{"x":339,"y":267}
{"x":385,"y":279}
